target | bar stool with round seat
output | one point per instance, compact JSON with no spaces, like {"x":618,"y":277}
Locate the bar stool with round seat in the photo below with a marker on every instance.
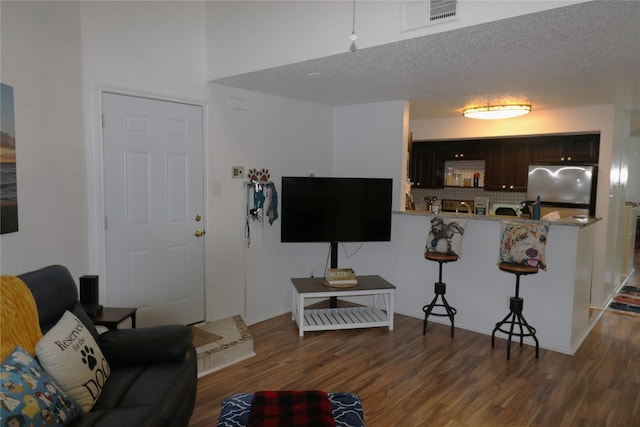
{"x":514,"y":317}
{"x":522,"y":252}
{"x":444,"y":244}
{"x":440,"y":289}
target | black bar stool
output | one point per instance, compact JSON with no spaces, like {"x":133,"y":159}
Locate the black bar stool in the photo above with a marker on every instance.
{"x":515,"y":316}
{"x":440,"y":289}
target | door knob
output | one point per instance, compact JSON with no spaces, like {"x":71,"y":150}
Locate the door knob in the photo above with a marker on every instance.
{"x":200,"y":233}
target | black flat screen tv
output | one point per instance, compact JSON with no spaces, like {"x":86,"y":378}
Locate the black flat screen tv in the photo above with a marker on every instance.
{"x":319,"y":209}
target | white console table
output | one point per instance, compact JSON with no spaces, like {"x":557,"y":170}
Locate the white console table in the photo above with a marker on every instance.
{"x":345,"y":317}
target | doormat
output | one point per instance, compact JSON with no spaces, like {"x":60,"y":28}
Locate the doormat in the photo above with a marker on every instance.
{"x":235,"y":344}
{"x":627,"y":301}
{"x":202,"y":337}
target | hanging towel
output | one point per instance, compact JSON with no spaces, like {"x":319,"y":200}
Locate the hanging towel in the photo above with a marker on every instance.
{"x":272,"y":201}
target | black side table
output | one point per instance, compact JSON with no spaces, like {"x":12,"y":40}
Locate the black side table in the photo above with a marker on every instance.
{"x":111,"y":317}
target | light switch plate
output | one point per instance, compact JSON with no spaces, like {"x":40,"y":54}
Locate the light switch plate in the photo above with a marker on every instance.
{"x":237,"y":171}
{"x":217,"y":188}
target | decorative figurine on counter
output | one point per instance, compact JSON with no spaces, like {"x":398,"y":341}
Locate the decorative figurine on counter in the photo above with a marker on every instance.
{"x":436,"y":207}
{"x":430,"y":201}
{"x":410,"y":205}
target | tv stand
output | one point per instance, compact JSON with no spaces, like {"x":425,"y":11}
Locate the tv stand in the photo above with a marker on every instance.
{"x":346,"y":317}
{"x":333,"y":250}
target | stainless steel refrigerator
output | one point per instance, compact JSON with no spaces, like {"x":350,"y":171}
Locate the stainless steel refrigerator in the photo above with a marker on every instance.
{"x":563,"y":185}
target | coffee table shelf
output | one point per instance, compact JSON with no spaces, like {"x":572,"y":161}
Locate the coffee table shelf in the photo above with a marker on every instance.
{"x":344,"y":317}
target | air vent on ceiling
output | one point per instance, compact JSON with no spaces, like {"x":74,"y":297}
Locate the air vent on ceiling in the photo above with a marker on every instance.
{"x":421,"y":13}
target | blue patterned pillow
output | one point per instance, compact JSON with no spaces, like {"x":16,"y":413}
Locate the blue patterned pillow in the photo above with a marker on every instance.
{"x":524,"y":244}
{"x":29,"y":396}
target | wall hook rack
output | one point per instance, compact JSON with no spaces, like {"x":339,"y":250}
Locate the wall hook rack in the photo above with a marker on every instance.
{"x":265,"y":200}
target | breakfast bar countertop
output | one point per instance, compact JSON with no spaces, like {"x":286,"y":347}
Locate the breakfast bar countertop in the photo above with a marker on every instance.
{"x":579,"y":221}
{"x":559,"y":299}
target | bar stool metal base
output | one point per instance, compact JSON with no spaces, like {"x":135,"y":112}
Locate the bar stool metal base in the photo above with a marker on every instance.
{"x":514,"y":317}
{"x":440,"y":290}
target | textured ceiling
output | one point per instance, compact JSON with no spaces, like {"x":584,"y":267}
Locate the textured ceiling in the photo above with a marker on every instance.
{"x":585,"y":54}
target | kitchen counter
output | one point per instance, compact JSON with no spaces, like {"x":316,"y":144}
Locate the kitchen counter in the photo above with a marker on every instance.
{"x":557,"y":301}
{"x":578,"y":221}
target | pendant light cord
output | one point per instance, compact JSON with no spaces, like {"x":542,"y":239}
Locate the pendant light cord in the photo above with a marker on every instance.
{"x":353,"y":37}
{"x":354,"y":17}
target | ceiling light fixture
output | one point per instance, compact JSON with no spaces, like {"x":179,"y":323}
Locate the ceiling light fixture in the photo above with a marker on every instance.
{"x":493,"y":112}
{"x":353,"y":36}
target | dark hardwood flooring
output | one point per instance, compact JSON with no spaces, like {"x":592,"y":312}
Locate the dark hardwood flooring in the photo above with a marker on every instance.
{"x":406,"y":379}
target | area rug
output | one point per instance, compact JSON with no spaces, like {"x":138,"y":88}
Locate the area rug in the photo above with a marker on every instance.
{"x":346,"y":409}
{"x":222,"y":343}
{"x":627,"y":301}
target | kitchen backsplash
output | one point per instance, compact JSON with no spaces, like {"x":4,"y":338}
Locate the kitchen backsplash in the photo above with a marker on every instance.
{"x":464,"y":193}
{"x":466,"y":168}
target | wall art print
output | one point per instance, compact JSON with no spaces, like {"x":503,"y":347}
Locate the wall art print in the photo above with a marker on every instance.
{"x":8,"y":182}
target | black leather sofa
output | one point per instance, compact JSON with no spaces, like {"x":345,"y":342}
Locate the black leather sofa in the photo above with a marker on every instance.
{"x":153,"y":370}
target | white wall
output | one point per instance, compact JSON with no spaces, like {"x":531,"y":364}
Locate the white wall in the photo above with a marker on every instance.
{"x":370,"y":140}
{"x":60,"y":56}
{"x":145,"y":48}
{"x":304,"y":30}
{"x":289,"y":138}
{"x":571,"y":120}
{"x":297,"y":139}
{"x":41,"y":59}
{"x":158,"y":49}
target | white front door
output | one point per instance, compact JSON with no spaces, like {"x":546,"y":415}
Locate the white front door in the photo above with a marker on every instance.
{"x":154,"y":198}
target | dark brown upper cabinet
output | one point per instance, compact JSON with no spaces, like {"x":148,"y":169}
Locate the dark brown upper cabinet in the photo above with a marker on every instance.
{"x":570,"y":149}
{"x":460,"y":150}
{"x":507,"y":160}
{"x":506,"y":164}
{"x":426,"y":168}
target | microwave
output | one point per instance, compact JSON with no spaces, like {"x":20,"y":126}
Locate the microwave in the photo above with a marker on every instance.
{"x":511,"y":209}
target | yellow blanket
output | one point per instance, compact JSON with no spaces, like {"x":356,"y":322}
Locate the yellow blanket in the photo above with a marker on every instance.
{"x":19,"y":323}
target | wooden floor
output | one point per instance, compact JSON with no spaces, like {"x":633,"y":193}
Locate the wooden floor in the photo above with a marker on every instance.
{"x":406,"y":379}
